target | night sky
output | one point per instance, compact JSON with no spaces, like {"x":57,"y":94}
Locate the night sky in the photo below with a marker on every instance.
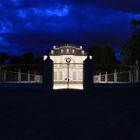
{"x":37,"y":25}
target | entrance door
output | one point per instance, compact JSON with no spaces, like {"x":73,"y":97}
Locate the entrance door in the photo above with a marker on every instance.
{"x":68,"y":76}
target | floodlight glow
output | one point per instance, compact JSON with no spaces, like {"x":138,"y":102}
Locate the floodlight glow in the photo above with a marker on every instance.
{"x":45,"y":57}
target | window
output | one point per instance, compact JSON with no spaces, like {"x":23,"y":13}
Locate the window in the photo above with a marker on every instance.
{"x":55,"y":75}
{"x":52,"y":51}
{"x":83,"y":52}
{"x":80,"y":75}
{"x":60,"y":75}
{"x":73,"y":51}
{"x":62,"y":50}
{"x":74,"y":75}
{"x":67,"y":51}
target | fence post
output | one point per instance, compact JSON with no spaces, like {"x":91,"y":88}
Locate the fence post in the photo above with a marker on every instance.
{"x":106,"y":78}
{"x":4,"y":76}
{"x":115,"y":76}
{"x":137,"y":72}
{"x":35,"y":76}
{"x":36,"y":79}
{"x":19,"y":76}
{"x":130,"y":76}
{"x":28,"y":76}
{"x":100,"y":77}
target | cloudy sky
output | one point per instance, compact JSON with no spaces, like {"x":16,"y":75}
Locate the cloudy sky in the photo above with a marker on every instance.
{"x":37,"y":25}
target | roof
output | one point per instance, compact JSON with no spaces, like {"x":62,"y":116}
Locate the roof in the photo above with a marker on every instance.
{"x":68,"y":50}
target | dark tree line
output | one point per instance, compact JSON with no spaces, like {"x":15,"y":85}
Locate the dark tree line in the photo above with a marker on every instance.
{"x":26,"y":58}
{"x":131,"y":50}
{"x":104,"y":58}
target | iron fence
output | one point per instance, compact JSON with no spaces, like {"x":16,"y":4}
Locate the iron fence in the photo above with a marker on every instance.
{"x":21,"y":73}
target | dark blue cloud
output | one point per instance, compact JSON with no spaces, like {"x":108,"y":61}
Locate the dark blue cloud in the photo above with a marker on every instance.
{"x":36,"y":25}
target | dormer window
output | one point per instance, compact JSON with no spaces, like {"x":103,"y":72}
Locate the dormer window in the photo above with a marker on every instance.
{"x":62,"y":50}
{"x":73,"y":51}
{"x":67,"y":51}
{"x":83,"y":52}
{"x":52,"y":51}
{"x":54,"y":47}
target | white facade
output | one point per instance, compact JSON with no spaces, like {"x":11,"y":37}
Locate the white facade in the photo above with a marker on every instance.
{"x":68,"y":74}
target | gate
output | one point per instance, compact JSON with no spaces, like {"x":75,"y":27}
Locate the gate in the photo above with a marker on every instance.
{"x":68,"y":75}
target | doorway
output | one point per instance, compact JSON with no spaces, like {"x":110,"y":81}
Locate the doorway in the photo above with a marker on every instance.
{"x":68,"y":75}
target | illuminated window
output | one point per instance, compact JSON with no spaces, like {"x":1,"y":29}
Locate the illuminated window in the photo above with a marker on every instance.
{"x":80,"y":75}
{"x":55,"y":75}
{"x":83,"y":52}
{"x":74,"y":75}
{"x":62,"y":50}
{"x":52,"y":51}
{"x":73,"y":51}
{"x":60,"y":75}
{"x":67,"y":51}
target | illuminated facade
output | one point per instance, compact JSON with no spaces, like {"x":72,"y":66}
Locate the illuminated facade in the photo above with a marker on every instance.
{"x":68,"y":66}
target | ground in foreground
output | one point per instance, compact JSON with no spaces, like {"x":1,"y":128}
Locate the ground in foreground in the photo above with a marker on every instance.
{"x":104,"y":114}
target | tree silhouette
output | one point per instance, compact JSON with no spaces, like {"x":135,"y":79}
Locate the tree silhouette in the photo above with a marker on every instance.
{"x":27,"y":58}
{"x":135,"y":22}
{"x":131,"y":50}
{"x":3,"y":58}
{"x":103,"y":57}
{"x":16,"y":60}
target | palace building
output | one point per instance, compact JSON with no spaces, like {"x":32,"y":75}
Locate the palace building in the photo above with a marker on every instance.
{"x":67,"y":66}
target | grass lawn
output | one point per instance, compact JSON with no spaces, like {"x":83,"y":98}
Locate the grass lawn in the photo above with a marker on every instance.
{"x":101,"y":114}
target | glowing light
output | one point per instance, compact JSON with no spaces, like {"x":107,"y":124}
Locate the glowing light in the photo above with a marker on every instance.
{"x":90,"y":57}
{"x":71,"y":86}
{"x":65,"y":76}
{"x":45,"y":57}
